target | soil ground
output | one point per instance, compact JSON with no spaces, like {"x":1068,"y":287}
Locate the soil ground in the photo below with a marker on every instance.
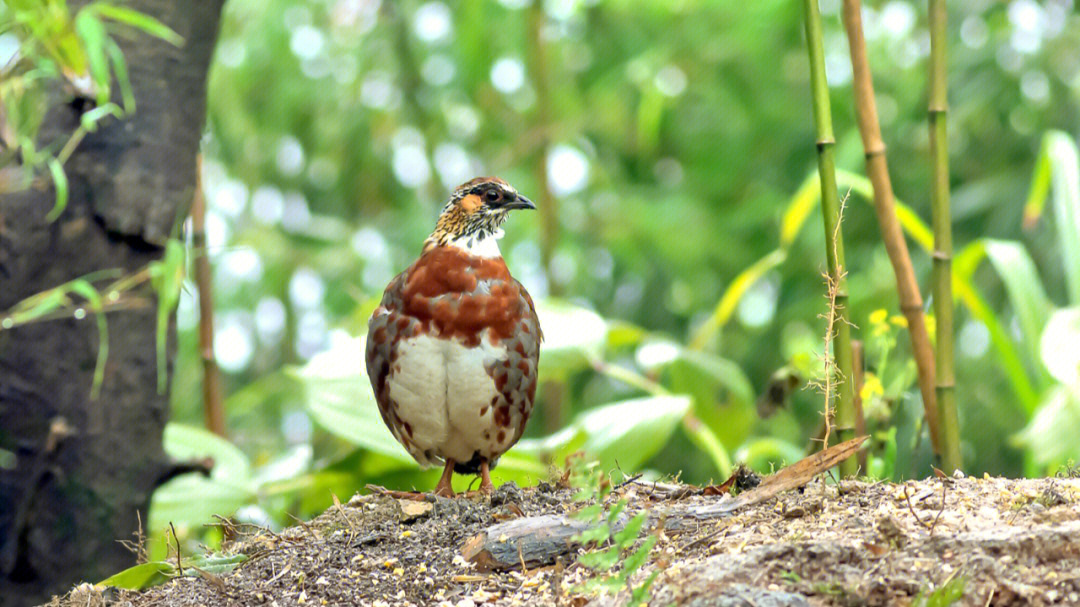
{"x":1000,"y":541}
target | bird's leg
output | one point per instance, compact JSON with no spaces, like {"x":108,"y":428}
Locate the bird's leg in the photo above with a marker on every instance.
{"x":485,"y":479}
{"x":443,"y":489}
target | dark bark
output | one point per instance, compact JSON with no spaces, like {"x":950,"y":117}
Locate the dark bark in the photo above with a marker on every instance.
{"x":86,"y":468}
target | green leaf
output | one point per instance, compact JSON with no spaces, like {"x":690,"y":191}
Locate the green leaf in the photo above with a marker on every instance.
{"x":723,"y":399}
{"x":1060,"y":347}
{"x":631,"y":531}
{"x":146,"y":575}
{"x":1040,"y":186}
{"x":141,"y":21}
{"x":1065,"y":166}
{"x":140,"y":577}
{"x":964,"y":264}
{"x":121,"y":71}
{"x":573,"y":336}
{"x":1051,"y":434}
{"x":90,"y":118}
{"x":630,"y":432}
{"x":733,"y":294}
{"x":639,"y":556}
{"x":191,"y":500}
{"x":94,"y":39}
{"x":167,"y":277}
{"x":93,"y":299}
{"x":183,"y":442}
{"x":338,"y":396}
{"x":60,"y":182}
{"x":1026,"y":293}
{"x":600,"y":560}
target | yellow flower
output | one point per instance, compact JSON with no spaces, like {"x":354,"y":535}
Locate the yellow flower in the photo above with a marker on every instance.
{"x":879,"y":316}
{"x":871,"y":387}
{"x":899,"y":321}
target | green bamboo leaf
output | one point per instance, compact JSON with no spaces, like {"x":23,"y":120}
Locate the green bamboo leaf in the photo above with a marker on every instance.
{"x":734,"y":293}
{"x":1040,"y":186}
{"x":1065,"y":167}
{"x":798,"y":209}
{"x":964,"y":265}
{"x":1026,"y":293}
{"x":141,"y":21}
{"x":809,"y":195}
{"x":60,"y":182}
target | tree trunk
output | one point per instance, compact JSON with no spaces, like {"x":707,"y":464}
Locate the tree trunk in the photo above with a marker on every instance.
{"x":85,"y":469}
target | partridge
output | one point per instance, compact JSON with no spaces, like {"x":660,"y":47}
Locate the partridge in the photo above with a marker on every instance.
{"x":452,"y":349}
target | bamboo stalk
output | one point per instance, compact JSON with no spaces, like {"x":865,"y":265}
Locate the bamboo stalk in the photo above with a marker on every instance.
{"x":942,"y":219}
{"x":213,"y":401}
{"x":877,"y":169}
{"x":834,"y":241}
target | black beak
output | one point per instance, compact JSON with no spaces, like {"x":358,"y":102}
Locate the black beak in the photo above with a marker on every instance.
{"x":520,"y":203}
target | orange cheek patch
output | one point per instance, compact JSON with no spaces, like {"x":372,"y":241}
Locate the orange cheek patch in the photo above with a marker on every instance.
{"x":470,"y":203}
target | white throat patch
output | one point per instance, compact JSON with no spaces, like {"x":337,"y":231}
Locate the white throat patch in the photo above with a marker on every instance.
{"x":487,"y":247}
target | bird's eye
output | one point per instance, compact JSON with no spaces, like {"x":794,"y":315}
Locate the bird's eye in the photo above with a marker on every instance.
{"x":492,"y":195}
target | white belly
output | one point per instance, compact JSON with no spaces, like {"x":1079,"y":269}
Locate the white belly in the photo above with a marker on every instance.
{"x":443,"y":391}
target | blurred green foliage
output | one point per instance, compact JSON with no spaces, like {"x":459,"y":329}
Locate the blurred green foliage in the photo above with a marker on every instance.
{"x":670,"y":147}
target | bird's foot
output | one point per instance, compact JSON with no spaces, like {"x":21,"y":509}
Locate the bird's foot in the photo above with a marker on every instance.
{"x":443,"y":489}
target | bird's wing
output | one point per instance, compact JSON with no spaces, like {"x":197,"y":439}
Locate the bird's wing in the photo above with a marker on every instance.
{"x":516,"y":376}
{"x":386,"y":323}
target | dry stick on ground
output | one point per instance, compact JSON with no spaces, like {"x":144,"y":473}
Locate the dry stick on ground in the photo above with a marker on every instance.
{"x":942,"y":219}
{"x":834,"y":247}
{"x":540,"y":540}
{"x":877,"y":169}
{"x":213,"y":406}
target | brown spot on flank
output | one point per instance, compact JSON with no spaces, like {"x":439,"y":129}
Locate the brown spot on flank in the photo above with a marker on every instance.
{"x":483,"y":410}
{"x":524,"y":366}
{"x":494,"y":400}
{"x":502,"y":417}
{"x":501,"y":436}
{"x":380,"y":335}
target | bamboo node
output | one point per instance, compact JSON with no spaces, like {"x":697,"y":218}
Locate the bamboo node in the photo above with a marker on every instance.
{"x":941,"y":255}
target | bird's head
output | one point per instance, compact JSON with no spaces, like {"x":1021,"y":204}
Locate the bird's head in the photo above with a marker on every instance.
{"x":472,"y":217}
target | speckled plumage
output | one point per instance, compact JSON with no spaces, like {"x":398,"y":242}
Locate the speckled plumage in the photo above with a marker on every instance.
{"x":453,"y":348}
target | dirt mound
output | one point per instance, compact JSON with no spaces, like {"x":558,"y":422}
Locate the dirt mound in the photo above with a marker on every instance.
{"x":990,"y":541}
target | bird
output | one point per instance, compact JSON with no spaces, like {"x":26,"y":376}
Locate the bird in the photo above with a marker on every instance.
{"x":453,"y":347}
